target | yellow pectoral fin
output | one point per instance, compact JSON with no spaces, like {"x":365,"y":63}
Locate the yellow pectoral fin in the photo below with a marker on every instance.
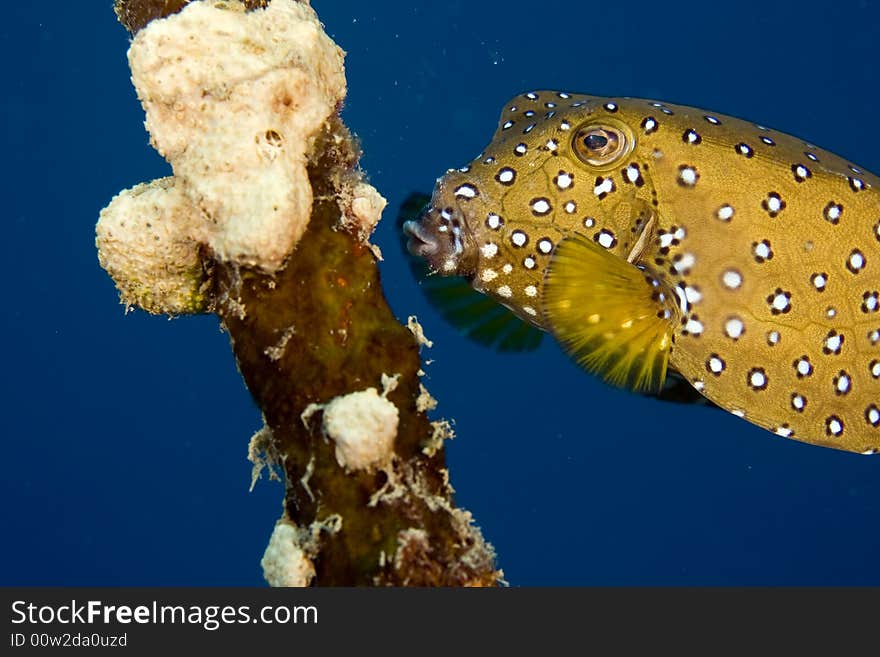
{"x":614,"y":318}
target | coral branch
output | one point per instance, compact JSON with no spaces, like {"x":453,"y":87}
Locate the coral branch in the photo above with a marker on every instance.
{"x":135,"y":14}
{"x":368,"y":500}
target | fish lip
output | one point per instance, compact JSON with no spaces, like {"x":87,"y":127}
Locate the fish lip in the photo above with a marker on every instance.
{"x":420,"y":242}
{"x":442,"y":236}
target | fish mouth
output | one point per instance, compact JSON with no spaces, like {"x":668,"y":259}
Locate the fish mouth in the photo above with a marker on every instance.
{"x":420,"y":241}
{"x":441,"y":236}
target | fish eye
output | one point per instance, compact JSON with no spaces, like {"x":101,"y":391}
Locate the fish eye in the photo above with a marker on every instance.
{"x":595,"y":141}
{"x":599,"y":145}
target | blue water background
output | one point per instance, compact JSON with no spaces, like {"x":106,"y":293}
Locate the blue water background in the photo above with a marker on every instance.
{"x":124,"y":437}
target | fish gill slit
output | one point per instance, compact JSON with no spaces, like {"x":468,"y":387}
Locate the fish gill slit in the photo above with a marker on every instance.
{"x":643,"y":239}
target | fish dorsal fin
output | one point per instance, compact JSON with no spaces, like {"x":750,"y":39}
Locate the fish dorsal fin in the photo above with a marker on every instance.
{"x":474,"y":314}
{"x":615,"y":319}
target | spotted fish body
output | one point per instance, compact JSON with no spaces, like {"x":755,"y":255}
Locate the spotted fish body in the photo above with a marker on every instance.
{"x":744,"y":259}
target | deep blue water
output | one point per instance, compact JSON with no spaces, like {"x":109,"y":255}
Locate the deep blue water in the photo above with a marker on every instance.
{"x":125,"y":436}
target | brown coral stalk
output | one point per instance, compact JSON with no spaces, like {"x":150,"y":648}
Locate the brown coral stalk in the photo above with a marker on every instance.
{"x":320,"y":328}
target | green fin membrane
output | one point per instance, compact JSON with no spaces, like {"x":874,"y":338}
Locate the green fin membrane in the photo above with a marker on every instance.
{"x":609,"y":315}
{"x":471,"y":312}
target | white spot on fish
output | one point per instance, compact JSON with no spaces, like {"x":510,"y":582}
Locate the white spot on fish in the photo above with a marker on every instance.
{"x":734,"y":328}
{"x":762,"y":250}
{"x":506,"y":176}
{"x":732,"y":279}
{"x":832,"y":212}
{"x":833,"y":343}
{"x":725,"y":213}
{"x":801,"y":173}
{"x":856,"y":262}
{"x":694,"y":327}
{"x":781,"y":301}
{"x":834,"y":426}
{"x":856,"y":184}
{"x":682,"y":299}
{"x":563,"y":180}
{"x":606,"y":239}
{"x":466,"y":191}
{"x":803,"y":366}
{"x":684,"y":263}
{"x":687,"y":176}
{"x":541,"y":206}
{"x":603,"y":186}
{"x":757,"y":378}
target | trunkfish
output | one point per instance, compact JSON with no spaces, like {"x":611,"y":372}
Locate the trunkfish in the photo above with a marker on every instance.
{"x":661,"y":243}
